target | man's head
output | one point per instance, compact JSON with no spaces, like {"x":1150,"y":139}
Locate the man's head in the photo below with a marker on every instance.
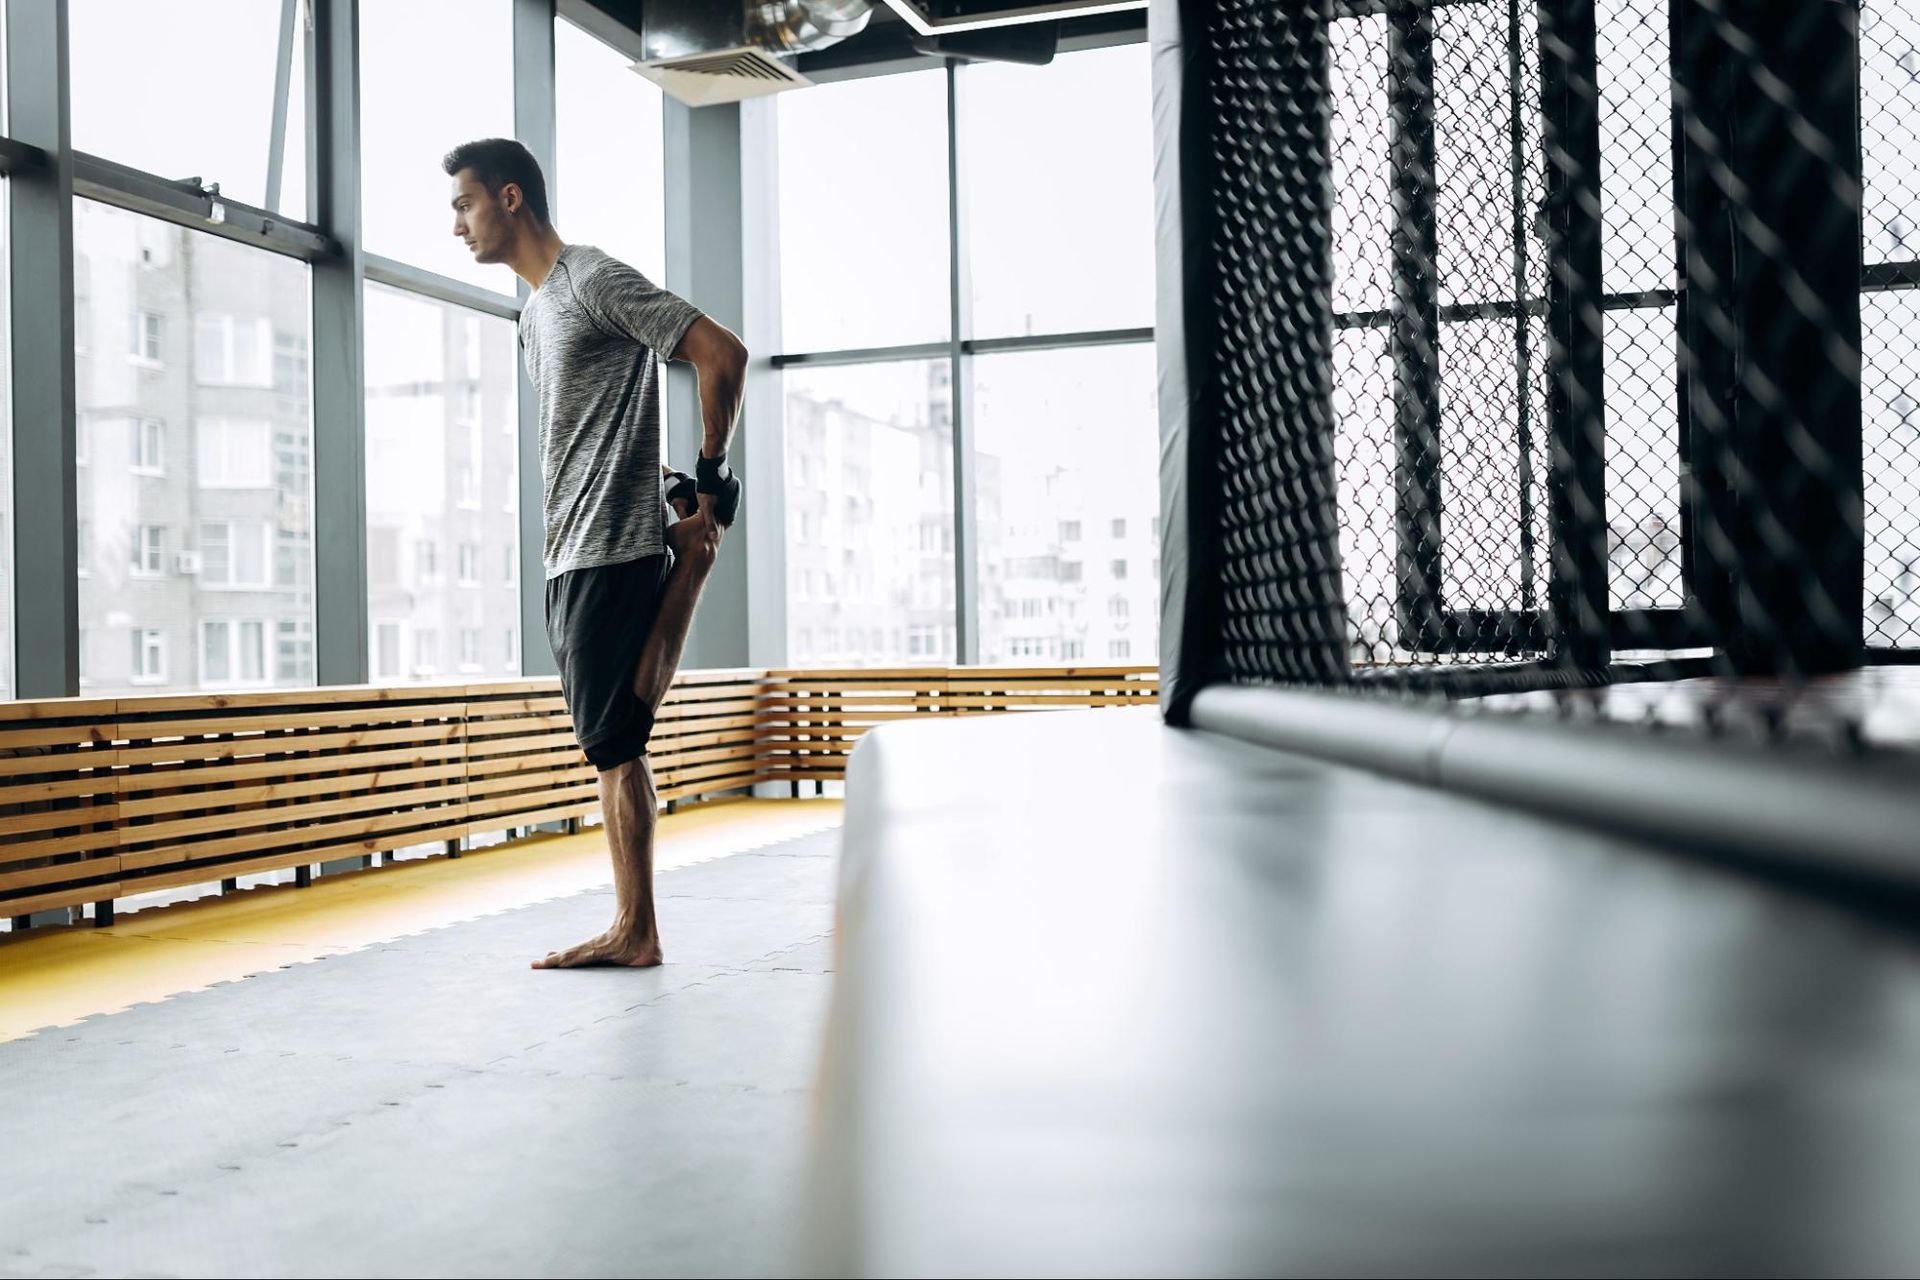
{"x":499,"y":194}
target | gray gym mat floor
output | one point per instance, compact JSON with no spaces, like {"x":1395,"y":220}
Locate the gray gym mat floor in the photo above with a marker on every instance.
{"x":434,"y":1107}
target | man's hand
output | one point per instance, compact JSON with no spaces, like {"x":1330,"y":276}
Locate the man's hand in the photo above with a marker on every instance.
{"x":680,"y":491}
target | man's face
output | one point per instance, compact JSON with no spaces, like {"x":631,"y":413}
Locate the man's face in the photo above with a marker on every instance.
{"x":482,"y":219}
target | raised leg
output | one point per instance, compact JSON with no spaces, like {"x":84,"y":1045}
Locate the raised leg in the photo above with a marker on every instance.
{"x":696,"y":547}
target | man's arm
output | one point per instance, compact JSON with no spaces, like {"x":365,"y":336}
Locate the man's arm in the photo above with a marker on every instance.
{"x":719,"y":360}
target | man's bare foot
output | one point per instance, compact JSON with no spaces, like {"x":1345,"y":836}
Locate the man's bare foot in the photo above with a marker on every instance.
{"x":607,"y":949}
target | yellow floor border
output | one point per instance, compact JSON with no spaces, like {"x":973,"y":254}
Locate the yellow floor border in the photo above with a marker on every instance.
{"x":55,"y":977}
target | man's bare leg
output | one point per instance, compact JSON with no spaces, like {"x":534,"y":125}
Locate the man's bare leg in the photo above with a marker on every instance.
{"x":695,"y":552}
{"x":629,"y":803}
{"x":628,"y":807}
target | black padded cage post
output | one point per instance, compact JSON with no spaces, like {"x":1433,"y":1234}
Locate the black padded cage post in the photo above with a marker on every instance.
{"x":1766,"y":97}
{"x":1510,"y":344}
{"x":1240,"y":598}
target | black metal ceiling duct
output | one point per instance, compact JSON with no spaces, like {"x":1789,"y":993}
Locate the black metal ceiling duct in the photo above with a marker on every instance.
{"x":1032,"y":43}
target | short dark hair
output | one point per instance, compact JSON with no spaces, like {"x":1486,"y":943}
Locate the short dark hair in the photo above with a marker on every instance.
{"x":498,"y":161}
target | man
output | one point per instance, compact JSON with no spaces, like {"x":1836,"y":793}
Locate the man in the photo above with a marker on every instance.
{"x":621,"y":586}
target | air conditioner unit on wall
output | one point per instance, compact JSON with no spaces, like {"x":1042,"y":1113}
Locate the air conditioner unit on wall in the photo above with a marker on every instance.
{"x":186,"y":562}
{"x":710,"y":51}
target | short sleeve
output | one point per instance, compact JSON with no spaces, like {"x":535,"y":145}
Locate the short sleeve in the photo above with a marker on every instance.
{"x":621,"y":300}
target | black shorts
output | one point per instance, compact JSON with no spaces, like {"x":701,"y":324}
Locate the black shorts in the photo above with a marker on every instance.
{"x":598,"y":620}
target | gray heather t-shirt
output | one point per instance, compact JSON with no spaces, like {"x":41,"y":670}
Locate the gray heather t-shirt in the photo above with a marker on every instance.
{"x":595,"y":334}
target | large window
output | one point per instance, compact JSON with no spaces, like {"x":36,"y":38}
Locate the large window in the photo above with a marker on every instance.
{"x":6,"y":470}
{"x":1067,"y":505}
{"x":195,"y":495}
{"x":433,"y":74}
{"x":869,"y":463}
{"x":179,"y":87}
{"x":1890,"y":318}
{"x":442,"y":412}
{"x":1058,"y":193}
{"x":609,"y":144}
{"x":863,"y":245}
{"x":1061,"y":441}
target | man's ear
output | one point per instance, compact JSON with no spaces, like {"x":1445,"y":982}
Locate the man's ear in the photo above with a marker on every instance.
{"x":510,"y":196}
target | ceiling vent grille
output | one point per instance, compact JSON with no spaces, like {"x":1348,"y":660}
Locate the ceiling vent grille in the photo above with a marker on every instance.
{"x":703,"y":52}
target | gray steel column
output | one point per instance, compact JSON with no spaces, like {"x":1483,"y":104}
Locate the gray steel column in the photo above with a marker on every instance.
{"x":763,"y":419}
{"x":46,"y":600}
{"x":339,"y":392}
{"x":966,"y":570}
{"x":704,"y":266}
{"x":533,"y":125}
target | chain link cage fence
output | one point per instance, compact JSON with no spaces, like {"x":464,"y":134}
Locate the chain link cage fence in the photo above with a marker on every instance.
{"x":1567,"y":355}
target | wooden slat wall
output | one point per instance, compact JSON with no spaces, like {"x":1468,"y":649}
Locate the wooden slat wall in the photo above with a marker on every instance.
{"x":103,"y":798}
{"x":809,"y":721}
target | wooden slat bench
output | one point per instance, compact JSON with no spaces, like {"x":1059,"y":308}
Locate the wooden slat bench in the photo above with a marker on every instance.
{"x":103,"y":798}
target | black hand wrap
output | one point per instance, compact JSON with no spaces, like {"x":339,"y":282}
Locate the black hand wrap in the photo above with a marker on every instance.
{"x":680,"y":488}
{"x":714,"y":476}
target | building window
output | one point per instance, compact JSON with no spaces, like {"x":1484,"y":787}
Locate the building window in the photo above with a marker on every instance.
{"x":290,"y":468}
{"x":426,"y":560}
{"x":383,"y":556}
{"x":1119,"y":528}
{"x":149,"y":656}
{"x":290,"y":558}
{"x":469,"y":648}
{"x":234,"y":554}
{"x":235,"y":454}
{"x":149,"y":550}
{"x":1070,"y":649}
{"x":143,"y":338}
{"x":1069,"y":531}
{"x":1117,"y":607}
{"x":511,"y":559}
{"x":233,"y":351}
{"x":469,"y":565}
{"x":293,"y":651}
{"x":1119,"y":649}
{"x":290,"y":363}
{"x":426,"y":651}
{"x":386,"y":651}
{"x":513,"y":651}
{"x":1119,"y":570}
{"x":233,"y":651}
{"x":147,"y":437}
